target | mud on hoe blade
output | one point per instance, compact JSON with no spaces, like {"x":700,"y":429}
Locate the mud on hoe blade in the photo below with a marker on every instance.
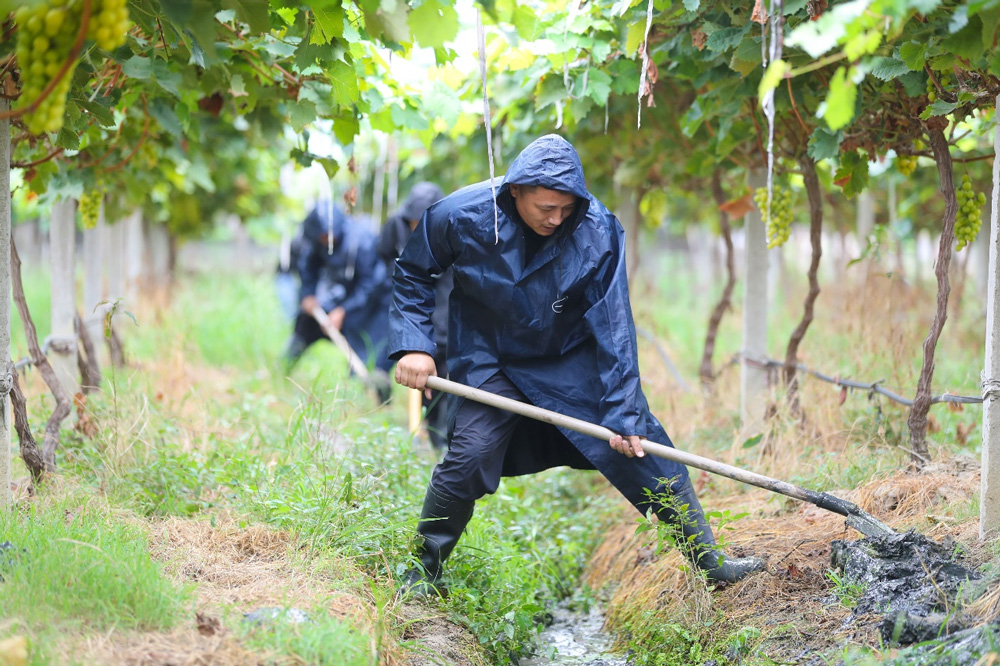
{"x":860,"y":520}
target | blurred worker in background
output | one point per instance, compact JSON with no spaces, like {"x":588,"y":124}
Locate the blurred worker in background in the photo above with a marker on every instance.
{"x":343,"y":275}
{"x":539,"y":313}
{"x":396,"y":231}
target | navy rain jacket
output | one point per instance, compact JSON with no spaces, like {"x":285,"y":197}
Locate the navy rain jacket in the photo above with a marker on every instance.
{"x":560,"y":328}
{"x":353,"y":277}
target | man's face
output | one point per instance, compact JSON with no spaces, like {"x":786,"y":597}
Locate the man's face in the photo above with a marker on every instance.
{"x":542,"y":209}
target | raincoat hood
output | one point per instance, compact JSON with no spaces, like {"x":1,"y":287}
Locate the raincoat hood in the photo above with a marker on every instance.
{"x":420,"y":199}
{"x":325,"y":218}
{"x":553,"y":163}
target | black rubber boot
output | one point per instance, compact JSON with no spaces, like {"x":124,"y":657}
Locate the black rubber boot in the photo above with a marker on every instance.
{"x":442,"y":521}
{"x":702,"y":550}
{"x":294,"y":349}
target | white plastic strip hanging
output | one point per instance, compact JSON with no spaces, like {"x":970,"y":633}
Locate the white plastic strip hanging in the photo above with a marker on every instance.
{"x":488,"y":123}
{"x":771,"y":52}
{"x":329,"y":220}
{"x":645,"y":60}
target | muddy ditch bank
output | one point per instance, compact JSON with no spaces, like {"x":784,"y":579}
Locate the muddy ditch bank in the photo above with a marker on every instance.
{"x":826,"y":592}
{"x":913,"y":582}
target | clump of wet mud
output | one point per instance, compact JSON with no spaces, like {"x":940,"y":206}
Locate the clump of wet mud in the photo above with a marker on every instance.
{"x":972,"y":646}
{"x":912,"y":581}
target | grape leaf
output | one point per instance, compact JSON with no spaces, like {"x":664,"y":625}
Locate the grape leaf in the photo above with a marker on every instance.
{"x":852,"y":175}
{"x":824,"y":144}
{"x":914,"y":54}
{"x":840,"y":100}
{"x":345,"y":83}
{"x":888,"y":69}
{"x":433,"y":24}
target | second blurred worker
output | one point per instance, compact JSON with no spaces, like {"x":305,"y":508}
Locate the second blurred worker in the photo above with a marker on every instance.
{"x":342,"y":273}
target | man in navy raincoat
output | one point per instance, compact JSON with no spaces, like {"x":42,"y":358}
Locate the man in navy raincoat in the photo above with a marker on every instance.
{"x":342,"y":273}
{"x":395,"y":232}
{"x":540,"y":313}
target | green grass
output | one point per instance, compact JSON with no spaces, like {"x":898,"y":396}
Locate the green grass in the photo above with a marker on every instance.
{"x":322,"y":640}
{"x":309,"y":454}
{"x":76,"y":561}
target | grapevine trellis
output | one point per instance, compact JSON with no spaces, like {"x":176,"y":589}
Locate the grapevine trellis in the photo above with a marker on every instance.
{"x":811,"y":92}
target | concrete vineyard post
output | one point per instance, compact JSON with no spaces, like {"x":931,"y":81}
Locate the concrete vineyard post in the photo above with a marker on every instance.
{"x":631,"y":219}
{"x":114,"y":249}
{"x":392,"y":174}
{"x":62,"y":261}
{"x":378,"y":185}
{"x":989,"y":505}
{"x":865,"y":218}
{"x":5,"y":411}
{"x":93,"y":277}
{"x":753,"y":377}
{"x":158,"y":242}
{"x":133,"y":257}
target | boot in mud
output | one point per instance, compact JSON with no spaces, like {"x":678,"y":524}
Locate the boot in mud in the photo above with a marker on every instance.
{"x":442,"y":521}
{"x":718,"y":567}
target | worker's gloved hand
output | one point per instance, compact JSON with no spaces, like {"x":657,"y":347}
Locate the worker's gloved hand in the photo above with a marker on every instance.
{"x":630,"y":445}
{"x":413,"y":369}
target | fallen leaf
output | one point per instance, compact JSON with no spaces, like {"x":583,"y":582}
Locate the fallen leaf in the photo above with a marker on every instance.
{"x":211,"y":104}
{"x":351,"y":197}
{"x":962,"y":433}
{"x":698,"y":38}
{"x":207,"y":625}
{"x":815,"y":8}
{"x":933,"y":425}
{"x":14,"y":651}
{"x":737,"y":208}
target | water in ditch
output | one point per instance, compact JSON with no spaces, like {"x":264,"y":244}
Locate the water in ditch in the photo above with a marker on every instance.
{"x":574,"y":638}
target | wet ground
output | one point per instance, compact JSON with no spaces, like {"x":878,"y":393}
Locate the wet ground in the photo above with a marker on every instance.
{"x":575,"y":639}
{"x":908,"y":579}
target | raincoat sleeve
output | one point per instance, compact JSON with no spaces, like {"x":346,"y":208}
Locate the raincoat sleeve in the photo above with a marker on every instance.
{"x":369,"y":276}
{"x":426,"y":255}
{"x":610,"y":320}
{"x":310,"y":264}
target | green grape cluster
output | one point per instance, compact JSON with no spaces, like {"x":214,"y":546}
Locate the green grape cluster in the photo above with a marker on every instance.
{"x":969,"y":217}
{"x":90,"y":205}
{"x":932,"y":91}
{"x":46,"y":32}
{"x":778,"y":217}
{"x":906,"y":164}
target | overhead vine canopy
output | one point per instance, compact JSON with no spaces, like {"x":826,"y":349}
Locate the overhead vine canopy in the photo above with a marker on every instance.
{"x":88,"y":106}
{"x":856,"y":79}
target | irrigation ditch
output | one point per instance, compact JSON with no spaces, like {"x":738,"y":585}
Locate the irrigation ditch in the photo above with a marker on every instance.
{"x":920,"y":596}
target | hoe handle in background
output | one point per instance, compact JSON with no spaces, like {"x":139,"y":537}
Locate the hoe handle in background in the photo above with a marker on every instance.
{"x":357,"y":365}
{"x":856,"y":517}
